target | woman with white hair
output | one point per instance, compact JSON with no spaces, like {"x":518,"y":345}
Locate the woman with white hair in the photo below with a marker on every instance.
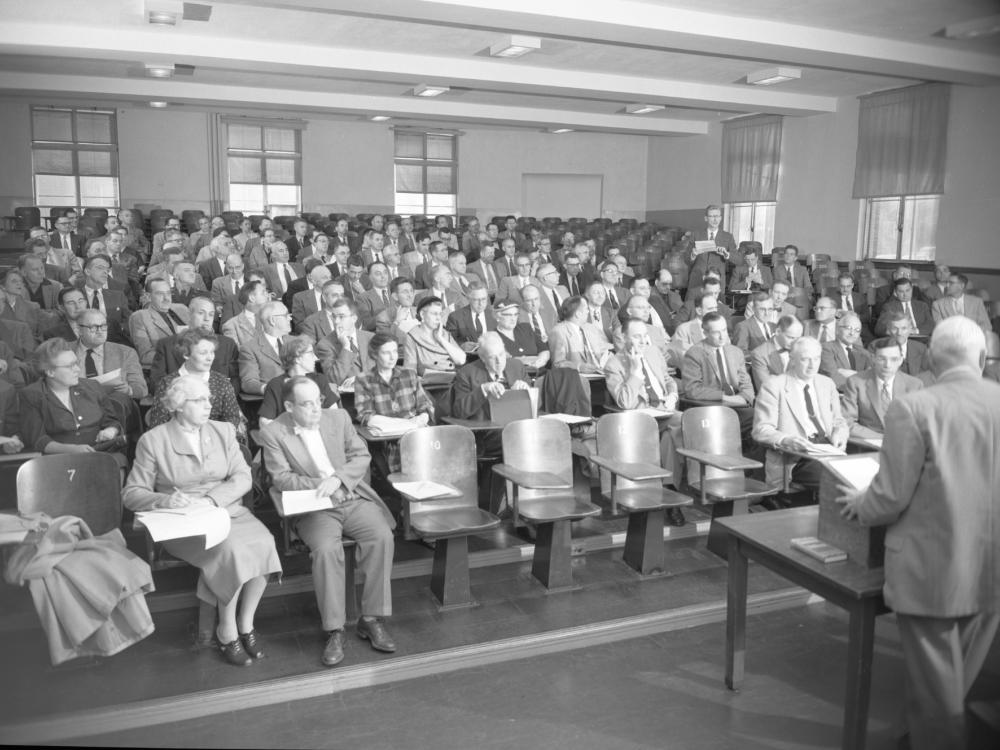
{"x":191,"y":461}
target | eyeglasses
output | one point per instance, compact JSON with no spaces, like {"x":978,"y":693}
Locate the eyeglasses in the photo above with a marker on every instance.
{"x":851,"y":329}
{"x":199,"y":400}
{"x":72,"y":365}
{"x":101,"y":327}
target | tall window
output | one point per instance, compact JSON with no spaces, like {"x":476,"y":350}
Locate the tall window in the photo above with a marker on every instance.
{"x":901,"y":227}
{"x":74,"y":154}
{"x":265,"y":169}
{"x":751,"y":221}
{"x":426,"y":173}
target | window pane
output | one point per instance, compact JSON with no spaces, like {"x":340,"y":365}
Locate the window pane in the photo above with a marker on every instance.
{"x":93,"y":127}
{"x":99,"y":192}
{"x":440,"y":147}
{"x":244,"y":136}
{"x":440,"y":180}
{"x":920,"y":216}
{"x":440,"y":204}
{"x":409,"y":178}
{"x":883,"y":235}
{"x":410,"y":145}
{"x":279,"y":139}
{"x":51,"y":125}
{"x":245,"y":169}
{"x":246,"y":198}
{"x":763,"y":225}
{"x":409,"y":203}
{"x":51,"y":190}
{"x":53,"y":161}
{"x":738,"y":219}
{"x":282,"y":171}
{"x":284,"y":195}
{"x":94,"y":162}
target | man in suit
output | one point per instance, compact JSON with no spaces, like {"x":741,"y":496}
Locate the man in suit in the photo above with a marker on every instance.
{"x":39,"y":289}
{"x":939,"y":288}
{"x":484,"y":269}
{"x":611,"y":279}
{"x":470,"y":244}
{"x":241,"y":328}
{"x":576,"y":343}
{"x":916,"y":361}
{"x":552,"y":293}
{"x":211,"y":269}
{"x":187,"y":284}
{"x":99,"y":296}
{"x":371,"y":248}
{"x":162,"y":318}
{"x":795,"y":410}
{"x":725,"y":244}
{"x":957,"y":302}
{"x":167,"y":358}
{"x":868,"y":394}
{"x":226,"y":289}
{"x":442,"y":286}
{"x":257,"y":252}
{"x":771,"y":357}
{"x":311,"y":448}
{"x":791,"y":271}
{"x":505,"y":263}
{"x":310,"y":300}
{"x":938,"y":491}
{"x":750,"y":276}
{"x":260,"y":357}
{"x":281,"y":273}
{"x":885,"y":293}
{"x":302,"y":284}
{"x":665,"y":300}
{"x":424,"y":273}
{"x":485,"y":379}
{"x":823,"y":327}
{"x":533,"y":313}
{"x":98,"y":356}
{"x":659,"y":315}
{"x":420,"y":254}
{"x":756,"y":328}
{"x":779,"y":293}
{"x":844,"y":356}
{"x":715,"y":370}
{"x":394,"y":264}
{"x":468,"y":324}
{"x":638,"y":307}
{"x":600,"y":316}
{"x":374,"y":300}
{"x":320,"y":324}
{"x":510,"y":286}
{"x":14,"y":333}
{"x":343,"y":354}
{"x":407,"y":238}
{"x":342,"y":236}
{"x":903,"y":300}
{"x":401,"y":315}
{"x":690,"y":332}
{"x":16,"y":309}
{"x":571,"y":276}
{"x":299,"y":244}
{"x":711,"y":284}
{"x":65,"y":237}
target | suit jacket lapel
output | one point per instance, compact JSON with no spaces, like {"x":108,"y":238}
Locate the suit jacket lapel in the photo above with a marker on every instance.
{"x":797,"y":406}
{"x":876,"y":398}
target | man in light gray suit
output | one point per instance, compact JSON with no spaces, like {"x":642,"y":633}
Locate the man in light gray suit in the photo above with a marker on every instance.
{"x":260,"y":357}
{"x":868,"y":394}
{"x":957,"y":302}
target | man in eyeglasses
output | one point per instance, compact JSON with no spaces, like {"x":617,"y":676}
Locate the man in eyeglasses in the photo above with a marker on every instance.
{"x":845,"y":356}
{"x":114,"y":366}
{"x":65,"y":236}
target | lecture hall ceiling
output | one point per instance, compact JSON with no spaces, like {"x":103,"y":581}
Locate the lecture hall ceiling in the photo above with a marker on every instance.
{"x":350,"y":60}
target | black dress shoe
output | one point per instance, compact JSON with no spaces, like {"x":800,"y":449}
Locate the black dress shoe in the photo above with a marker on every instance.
{"x":675,"y":517}
{"x":333,"y":653}
{"x":374,"y":631}
{"x":233,"y":653}
{"x":252,"y":644}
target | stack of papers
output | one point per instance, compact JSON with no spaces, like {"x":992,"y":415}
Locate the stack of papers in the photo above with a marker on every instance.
{"x":824,"y":449}
{"x":379,"y":425}
{"x":179,"y":523}
{"x":704,"y":246}
{"x":111,"y":376}
{"x":297,"y":502}
{"x":655,"y":411}
{"x":857,"y":471}
{"x":567,"y":418}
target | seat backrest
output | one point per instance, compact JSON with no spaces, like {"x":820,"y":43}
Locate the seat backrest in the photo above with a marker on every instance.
{"x":26,"y":217}
{"x":715,"y":430}
{"x":628,"y":436}
{"x":86,"y":485}
{"x":445,"y":454}
{"x":992,"y":345}
{"x":538,"y":445}
{"x":511,"y":406}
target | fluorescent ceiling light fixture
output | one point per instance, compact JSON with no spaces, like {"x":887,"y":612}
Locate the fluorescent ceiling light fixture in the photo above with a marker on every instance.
{"x":515,"y":45}
{"x":156,"y":70}
{"x":164,"y":12}
{"x":379,"y":118}
{"x":559,"y":130}
{"x":158,"y":105}
{"x":424,"y":90}
{"x":972,"y":29}
{"x":770,"y":76}
{"x":642,"y":109}
{"x":162,"y":18}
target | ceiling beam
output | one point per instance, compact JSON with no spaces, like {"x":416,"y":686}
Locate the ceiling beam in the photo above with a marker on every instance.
{"x":296,"y":58}
{"x":290,"y":102}
{"x":658,"y":26}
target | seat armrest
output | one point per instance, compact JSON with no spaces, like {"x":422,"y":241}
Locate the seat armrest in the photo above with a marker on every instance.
{"x":634,"y":471}
{"x":720,"y":461}
{"x":532,"y":480}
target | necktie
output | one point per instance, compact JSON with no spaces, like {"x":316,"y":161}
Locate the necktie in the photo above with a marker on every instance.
{"x":350,"y":344}
{"x":613,"y":299}
{"x":95,"y":301}
{"x":595,"y":317}
{"x":477,"y":319}
{"x":727,"y":386}
{"x":510,"y":267}
{"x":89,"y":366}
{"x":851,"y":361}
{"x":848,"y":304}
{"x":65,"y":239}
{"x":824,"y":335}
{"x":767,"y":331}
{"x":886,"y":396}
{"x":236,"y":287}
{"x":711,"y":234}
{"x":491,"y":282}
{"x":288,"y":276}
{"x":385,"y":298}
{"x":170,"y":323}
{"x":536,"y":323}
{"x":652,"y":392}
{"x":820,"y":436}
{"x":572,"y":286}
{"x":909,"y":314}
{"x":588,"y":352}
{"x":555,"y":300}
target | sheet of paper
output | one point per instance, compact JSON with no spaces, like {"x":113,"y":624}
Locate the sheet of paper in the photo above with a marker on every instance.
{"x":873,"y":442}
{"x":858,"y":471}
{"x":704,"y":246}
{"x":655,"y":412}
{"x":425,"y":490}
{"x":297,"y":502}
{"x":567,"y":418}
{"x":822,"y":449}
{"x":380,"y":425}
{"x":178,"y":523}
{"x":111,"y":376}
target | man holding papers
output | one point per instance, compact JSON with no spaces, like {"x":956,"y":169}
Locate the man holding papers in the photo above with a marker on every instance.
{"x":311,"y":448}
{"x":799,"y":411}
{"x":938,"y":489}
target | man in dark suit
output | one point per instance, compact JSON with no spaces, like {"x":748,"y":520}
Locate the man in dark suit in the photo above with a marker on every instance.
{"x":215,"y":266}
{"x":344,"y":353}
{"x":868,"y":394}
{"x":468,"y":323}
{"x":226,"y":289}
{"x":844,"y":356}
{"x":885,"y":293}
{"x":300,"y":242}
{"x":750,"y":276}
{"x":904,"y":300}
{"x":300,"y":285}
{"x":40,"y":289}
{"x":310,"y":301}
{"x":938,"y":493}
{"x":791,"y":271}
{"x":99,"y":357}
{"x":99,"y":297}
{"x":65,"y":237}
{"x":756,"y":328}
{"x":72,"y":303}
{"x":671,"y":300}
{"x":725,"y":245}
{"x":167,"y":358}
{"x":771,"y":357}
{"x":572,"y":275}
{"x":916,"y":361}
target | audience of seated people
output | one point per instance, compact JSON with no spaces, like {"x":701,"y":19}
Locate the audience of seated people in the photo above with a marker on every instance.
{"x":199,"y":328}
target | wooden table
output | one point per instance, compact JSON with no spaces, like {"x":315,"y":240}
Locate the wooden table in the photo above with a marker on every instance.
{"x":764,"y":537}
